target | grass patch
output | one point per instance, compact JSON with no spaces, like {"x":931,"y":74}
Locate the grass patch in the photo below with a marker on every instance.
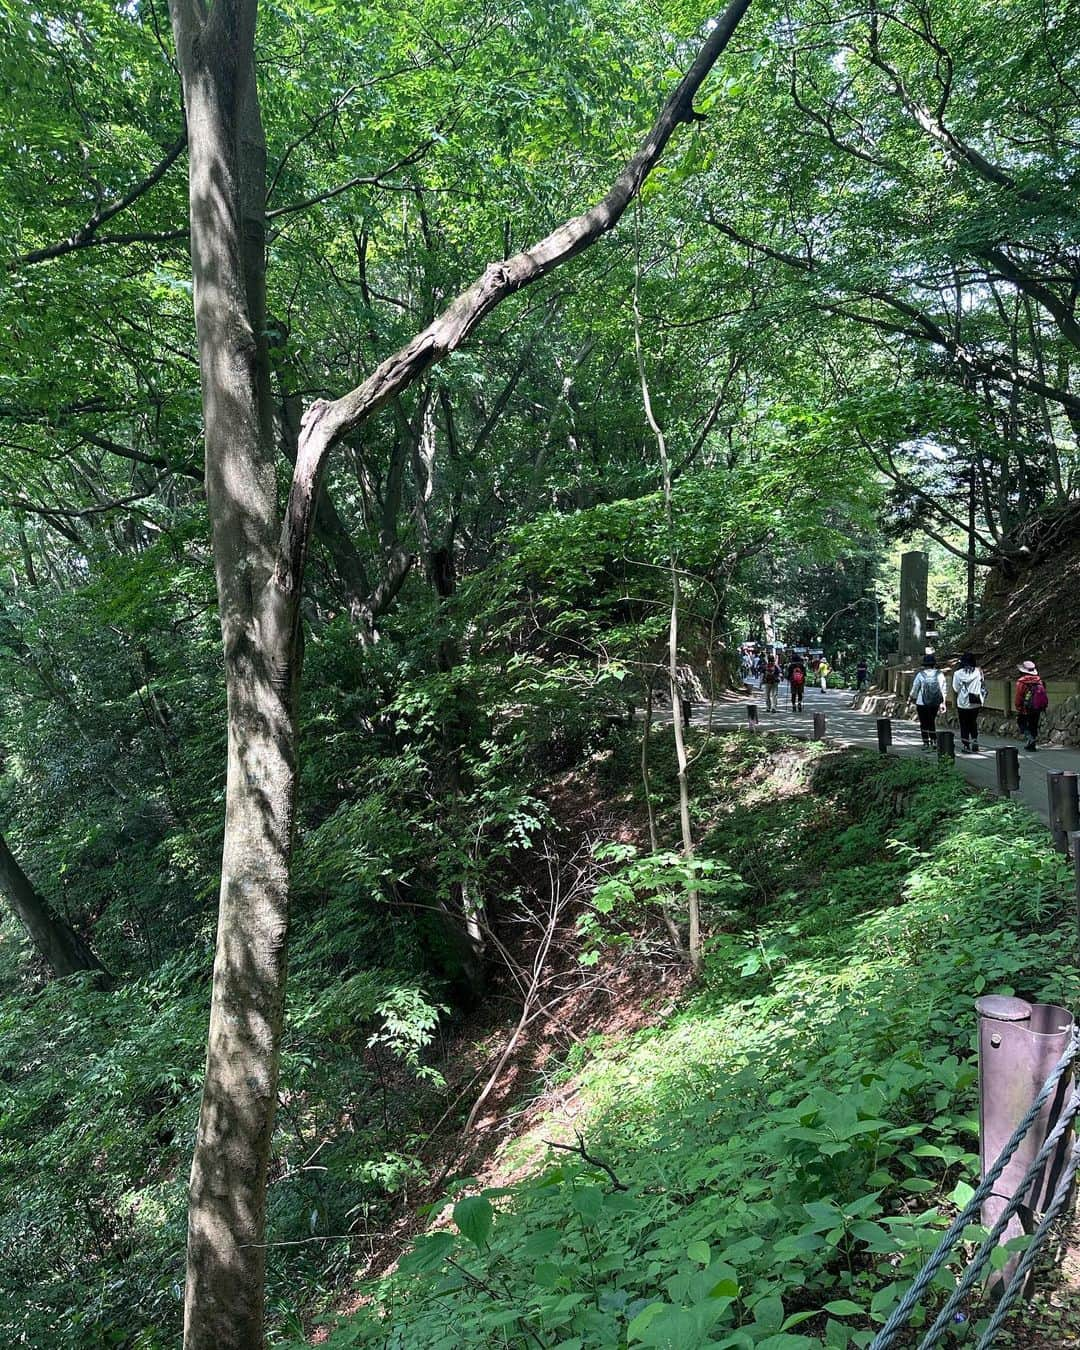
{"x":788,"y":1144}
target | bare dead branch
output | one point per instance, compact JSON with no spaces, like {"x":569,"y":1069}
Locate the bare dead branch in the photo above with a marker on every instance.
{"x":580,"y":1149}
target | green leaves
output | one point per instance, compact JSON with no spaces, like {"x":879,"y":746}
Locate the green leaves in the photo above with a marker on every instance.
{"x":474,"y":1218}
{"x":587,"y":1202}
{"x":843,"y":1307}
{"x":428,"y":1253}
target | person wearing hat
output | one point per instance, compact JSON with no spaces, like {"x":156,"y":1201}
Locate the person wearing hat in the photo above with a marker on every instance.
{"x":969,"y":685}
{"x":1030,"y":700}
{"x":928,"y":695}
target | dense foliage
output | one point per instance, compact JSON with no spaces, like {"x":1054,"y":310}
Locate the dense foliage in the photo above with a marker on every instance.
{"x":857,"y":274}
{"x":786,"y":1147}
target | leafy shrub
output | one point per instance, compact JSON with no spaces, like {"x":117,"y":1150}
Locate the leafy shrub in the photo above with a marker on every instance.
{"x":784,"y":1149}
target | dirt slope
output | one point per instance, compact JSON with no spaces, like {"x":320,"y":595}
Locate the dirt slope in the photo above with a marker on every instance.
{"x":1033,"y":613}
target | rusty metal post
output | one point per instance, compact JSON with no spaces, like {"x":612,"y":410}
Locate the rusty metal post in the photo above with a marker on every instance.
{"x":687,"y":707}
{"x":751,"y":717}
{"x":946,"y":745}
{"x":1007,"y":762}
{"x":1019,"y":1044}
{"x":884,"y":734}
{"x":1053,"y":796}
{"x":819,"y":726}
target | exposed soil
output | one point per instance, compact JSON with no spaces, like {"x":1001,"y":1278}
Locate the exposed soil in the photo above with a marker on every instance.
{"x":1032,"y":614}
{"x":532,"y":1102}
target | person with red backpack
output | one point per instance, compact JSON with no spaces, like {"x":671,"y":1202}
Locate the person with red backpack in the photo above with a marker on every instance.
{"x":1031,"y":702}
{"x":796,"y":673}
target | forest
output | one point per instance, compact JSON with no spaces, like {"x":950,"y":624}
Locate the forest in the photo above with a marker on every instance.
{"x":402,"y":407}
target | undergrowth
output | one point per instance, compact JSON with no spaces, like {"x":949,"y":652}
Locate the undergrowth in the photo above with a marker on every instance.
{"x":783,"y":1150}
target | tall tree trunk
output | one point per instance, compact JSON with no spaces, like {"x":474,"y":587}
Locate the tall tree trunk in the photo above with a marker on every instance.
{"x":259,"y":571}
{"x":971,"y":554}
{"x":223,"y":1307}
{"x":693,"y":900}
{"x":62,"y":949}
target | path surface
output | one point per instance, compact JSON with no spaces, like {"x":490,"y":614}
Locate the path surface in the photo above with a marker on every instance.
{"x":845,"y":725}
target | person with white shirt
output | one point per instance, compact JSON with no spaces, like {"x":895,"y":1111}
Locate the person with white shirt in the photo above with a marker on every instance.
{"x":969,"y":686}
{"x":928,"y":694}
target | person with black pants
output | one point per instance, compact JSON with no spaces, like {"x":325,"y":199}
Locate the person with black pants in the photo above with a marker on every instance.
{"x":796,"y":673}
{"x":928,"y":695}
{"x":1030,"y":701}
{"x":969,"y":685}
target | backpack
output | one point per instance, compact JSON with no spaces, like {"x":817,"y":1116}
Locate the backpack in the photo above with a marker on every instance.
{"x":931,"y":692}
{"x":798,"y":676}
{"x":1035,"y":697}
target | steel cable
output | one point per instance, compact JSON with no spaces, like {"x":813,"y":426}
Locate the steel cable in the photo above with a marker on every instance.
{"x":1028,"y":1259}
{"x":979,"y":1260}
{"x":901,"y":1313}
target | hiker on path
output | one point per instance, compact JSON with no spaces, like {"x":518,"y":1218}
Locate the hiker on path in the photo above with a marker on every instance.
{"x":1031,"y":702}
{"x":969,"y":686}
{"x":861,"y":674}
{"x":824,"y":670}
{"x":796,"y":673}
{"x":771,"y":681}
{"x":928,"y":695}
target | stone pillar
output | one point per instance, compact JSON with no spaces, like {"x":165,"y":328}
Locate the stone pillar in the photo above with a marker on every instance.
{"x":914,"y":571}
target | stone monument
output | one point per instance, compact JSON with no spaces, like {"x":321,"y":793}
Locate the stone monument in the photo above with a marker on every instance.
{"x":914,"y":573}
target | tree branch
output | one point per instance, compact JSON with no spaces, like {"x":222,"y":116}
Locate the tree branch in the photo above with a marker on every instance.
{"x":580,"y":1149}
{"x":360,"y":180}
{"x":925,"y":327}
{"x":193,"y":471}
{"x":71,"y":512}
{"x":1062,"y":313}
{"x":87,"y":235}
{"x":326,"y":424}
{"x":932,"y":122}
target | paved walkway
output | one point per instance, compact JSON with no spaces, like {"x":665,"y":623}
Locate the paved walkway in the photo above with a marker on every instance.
{"x":846,"y":725}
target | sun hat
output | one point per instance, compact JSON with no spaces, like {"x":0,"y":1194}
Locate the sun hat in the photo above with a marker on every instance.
{"x":1028,"y":668}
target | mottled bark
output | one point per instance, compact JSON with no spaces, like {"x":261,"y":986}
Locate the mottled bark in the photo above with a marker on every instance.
{"x":366,"y":601}
{"x":259,"y":625}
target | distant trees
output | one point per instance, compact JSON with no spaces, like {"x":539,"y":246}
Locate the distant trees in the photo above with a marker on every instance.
{"x":935,"y":232}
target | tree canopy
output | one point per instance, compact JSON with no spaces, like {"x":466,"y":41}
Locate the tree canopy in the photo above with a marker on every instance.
{"x":336,"y":404}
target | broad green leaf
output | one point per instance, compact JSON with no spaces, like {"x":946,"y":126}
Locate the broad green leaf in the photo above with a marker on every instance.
{"x":474,"y":1218}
